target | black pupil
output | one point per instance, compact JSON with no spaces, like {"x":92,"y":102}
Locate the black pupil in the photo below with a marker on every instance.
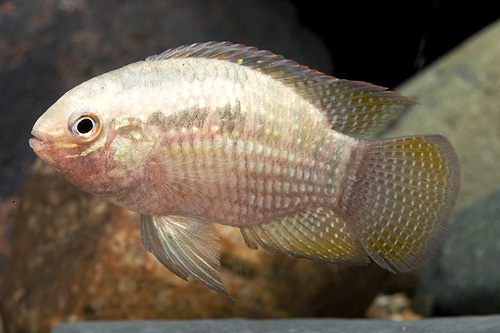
{"x":85,"y":126}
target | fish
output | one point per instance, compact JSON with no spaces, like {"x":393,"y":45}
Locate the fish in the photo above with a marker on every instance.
{"x":217,"y":132}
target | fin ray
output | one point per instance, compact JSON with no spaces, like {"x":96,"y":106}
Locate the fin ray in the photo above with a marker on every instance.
{"x":356,"y":108}
{"x":316,"y":234}
{"x":352,"y":107}
{"x":401,"y":201}
{"x":186,"y":246}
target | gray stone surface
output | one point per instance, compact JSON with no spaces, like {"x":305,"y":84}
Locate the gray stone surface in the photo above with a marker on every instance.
{"x":464,"y":276}
{"x":459,"y":97}
{"x":443,"y":325}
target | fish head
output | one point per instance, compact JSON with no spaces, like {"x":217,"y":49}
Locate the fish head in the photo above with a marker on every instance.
{"x":73,"y":134}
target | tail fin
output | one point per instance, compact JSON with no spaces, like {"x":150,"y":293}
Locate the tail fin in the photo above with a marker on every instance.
{"x":400,"y":203}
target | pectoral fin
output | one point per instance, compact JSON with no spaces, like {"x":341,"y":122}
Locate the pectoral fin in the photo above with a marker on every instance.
{"x":186,"y":246}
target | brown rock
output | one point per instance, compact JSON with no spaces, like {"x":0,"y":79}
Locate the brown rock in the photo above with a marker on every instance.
{"x":393,"y":307}
{"x":8,"y":209}
{"x":77,"y":258}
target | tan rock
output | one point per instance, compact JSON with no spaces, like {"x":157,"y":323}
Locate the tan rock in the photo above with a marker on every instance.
{"x":395,"y":307}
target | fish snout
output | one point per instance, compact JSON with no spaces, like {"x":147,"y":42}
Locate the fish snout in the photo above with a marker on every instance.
{"x":41,"y":145}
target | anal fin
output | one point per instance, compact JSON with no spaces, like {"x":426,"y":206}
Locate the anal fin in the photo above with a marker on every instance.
{"x":186,"y":246}
{"x":317,"y":234}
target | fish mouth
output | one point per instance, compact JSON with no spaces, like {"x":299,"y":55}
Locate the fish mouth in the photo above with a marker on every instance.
{"x":41,"y":145}
{"x":38,"y":141}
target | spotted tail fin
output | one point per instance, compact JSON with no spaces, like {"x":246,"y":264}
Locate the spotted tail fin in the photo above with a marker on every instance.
{"x":401,"y":199}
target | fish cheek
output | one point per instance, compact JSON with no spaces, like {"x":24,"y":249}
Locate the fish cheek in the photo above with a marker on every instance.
{"x":127,"y":153}
{"x":82,"y":169}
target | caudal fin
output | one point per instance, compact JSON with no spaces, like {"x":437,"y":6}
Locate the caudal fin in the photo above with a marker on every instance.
{"x":401,"y":199}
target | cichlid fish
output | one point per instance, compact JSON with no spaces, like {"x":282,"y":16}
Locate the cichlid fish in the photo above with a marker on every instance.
{"x":221,"y":132}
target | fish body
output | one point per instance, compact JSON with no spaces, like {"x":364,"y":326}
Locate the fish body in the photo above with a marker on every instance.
{"x":221,"y":132}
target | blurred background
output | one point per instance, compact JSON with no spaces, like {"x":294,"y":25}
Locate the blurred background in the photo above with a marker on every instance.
{"x":49,"y":46}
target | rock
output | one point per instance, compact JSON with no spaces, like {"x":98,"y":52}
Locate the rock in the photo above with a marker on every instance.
{"x":458,"y":96}
{"x":77,"y":258}
{"x":483,"y":324}
{"x":459,"y":99}
{"x":8,"y":210}
{"x":463,"y":278}
{"x":393,"y":307}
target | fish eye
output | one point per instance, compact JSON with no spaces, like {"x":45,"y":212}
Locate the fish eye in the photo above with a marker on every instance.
{"x":85,"y":124}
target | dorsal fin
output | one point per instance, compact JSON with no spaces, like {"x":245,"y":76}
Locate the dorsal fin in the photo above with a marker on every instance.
{"x":351,"y":107}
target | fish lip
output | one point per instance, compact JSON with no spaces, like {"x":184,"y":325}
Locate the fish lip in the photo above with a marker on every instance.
{"x":42,"y":145}
{"x":37,"y":136}
{"x":38,"y":142}
{"x":35,"y":143}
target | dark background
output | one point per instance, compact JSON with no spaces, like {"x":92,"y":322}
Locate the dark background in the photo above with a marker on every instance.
{"x":386,"y":42}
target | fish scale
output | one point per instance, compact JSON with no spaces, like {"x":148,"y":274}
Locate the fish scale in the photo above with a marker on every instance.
{"x":262,"y":158}
{"x":267,"y":187}
{"x":225,"y":133}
